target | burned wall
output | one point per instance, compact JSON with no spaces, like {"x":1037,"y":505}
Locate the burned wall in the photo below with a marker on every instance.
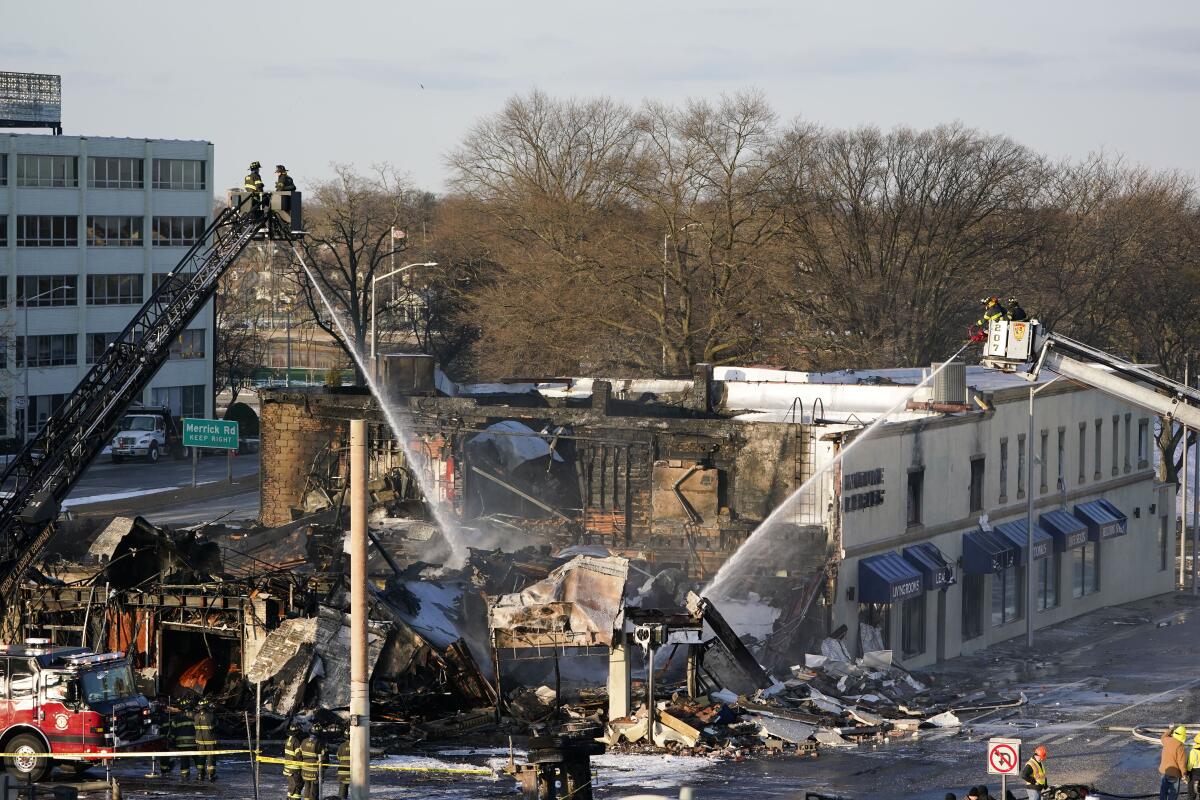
{"x":292,"y":438}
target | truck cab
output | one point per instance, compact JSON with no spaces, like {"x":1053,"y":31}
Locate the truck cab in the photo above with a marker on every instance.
{"x":147,"y":432}
{"x":71,"y":702}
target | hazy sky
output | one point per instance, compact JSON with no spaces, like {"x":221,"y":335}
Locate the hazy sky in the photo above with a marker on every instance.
{"x":308,"y":83}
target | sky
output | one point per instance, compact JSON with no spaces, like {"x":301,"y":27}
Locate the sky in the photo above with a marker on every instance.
{"x":310,"y":84}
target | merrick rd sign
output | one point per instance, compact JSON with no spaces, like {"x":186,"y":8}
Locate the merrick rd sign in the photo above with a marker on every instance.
{"x":219,"y":433}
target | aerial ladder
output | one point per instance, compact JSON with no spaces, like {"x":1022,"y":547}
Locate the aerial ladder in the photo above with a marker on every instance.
{"x":40,"y":477}
{"x":1012,"y":345}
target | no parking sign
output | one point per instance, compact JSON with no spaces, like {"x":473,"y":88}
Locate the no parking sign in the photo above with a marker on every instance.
{"x":1004,"y":756}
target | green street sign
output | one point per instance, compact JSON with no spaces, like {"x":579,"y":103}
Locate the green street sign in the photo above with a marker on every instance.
{"x":219,"y":433}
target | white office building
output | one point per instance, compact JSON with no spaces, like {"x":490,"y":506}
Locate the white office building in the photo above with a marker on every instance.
{"x":87,"y":227}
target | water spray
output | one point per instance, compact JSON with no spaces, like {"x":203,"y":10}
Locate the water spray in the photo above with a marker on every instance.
{"x":761,"y":537}
{"x":416,"y":457}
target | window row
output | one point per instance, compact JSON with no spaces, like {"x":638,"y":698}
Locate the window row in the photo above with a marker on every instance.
{"x":62,"y":349}
{"x":105,"y":172}
{"x":60,"y":230}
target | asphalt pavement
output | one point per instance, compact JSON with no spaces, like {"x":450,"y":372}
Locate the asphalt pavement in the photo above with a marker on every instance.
{"x":104,"y":480}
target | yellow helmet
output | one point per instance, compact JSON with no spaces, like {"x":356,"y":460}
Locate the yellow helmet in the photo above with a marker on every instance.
{"x":1180,"y":733}
{"x":1196,"y":739}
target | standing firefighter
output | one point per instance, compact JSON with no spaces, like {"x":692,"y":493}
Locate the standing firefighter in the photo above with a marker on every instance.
{"x":343,"y":761}
{"x":1193,"y":765}
{"x":1034,"y":774}
{"x":1015,"y":312}
{"x":291,"y":761}
{"x":283,"y":181}
{"x":206,"y":739}
{"x":181,"y":735}
{"x":312,"y":761}
{"x":1173,"y":763}
{"x":253,"y":182}
{"x":992,"y":311}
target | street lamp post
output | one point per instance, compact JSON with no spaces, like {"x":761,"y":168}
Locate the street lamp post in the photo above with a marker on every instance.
{"x":379,"y":278}
{"x":1029,"y":460}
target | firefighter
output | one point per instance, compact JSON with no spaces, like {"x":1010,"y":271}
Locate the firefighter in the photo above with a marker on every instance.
{"x":253,"y":183}
{"x":992,"y":311}
{"x":1015,"y":312}
{"x":312,"y":762}
{"x":206,"y":739}
{"x":283,"y":181}
{"x":181,"y":735}
{"x":291,"y":760}
{"x":343,"y":761}
{"x":1034,"y":774}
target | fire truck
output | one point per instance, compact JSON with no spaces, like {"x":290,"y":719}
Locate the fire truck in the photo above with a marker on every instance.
{"x":68,"y":701}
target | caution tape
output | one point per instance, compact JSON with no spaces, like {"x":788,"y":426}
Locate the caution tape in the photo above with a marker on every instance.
{"x":394,"y":767}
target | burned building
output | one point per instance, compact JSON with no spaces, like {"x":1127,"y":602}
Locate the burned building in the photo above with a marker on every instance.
{"x":907,"y":544}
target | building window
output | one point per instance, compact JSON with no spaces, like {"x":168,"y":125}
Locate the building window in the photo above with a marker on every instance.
{"x":177,"y":231}
{"x":3,"y":416}
{"x":1044,"y":457}
{"x":912,"y":626}
{"x":112,"y":172}
{"x":114,"y":290}
{"x":178,"y":173}
{"x":3,"y":170}
{"x":188,"y":344}
{"x":1096,"y":454}
{"x":1047,"y":581}
{"x":1006,"y":596}
{"x":51,"y":350}
{"x":977,"y":483}
{"x":97,"y":343}
{"x":1162,"y":544}
{"x":1021,"y":465}
{"x":1085,"y":570}
{"x":46,"y":171}
{"x":1061,"y":479}
{"x":916,"y":492}
{"x":47,"y":231}
{"x":114,"y":231}
{"x":47,"y":290}
{"x":1082,"y":452}
{"x":1116,"y":447}
{"x":1003,"y":470}
{"x":972,"y":606}
{"x":879,"y":616}
{"x":1143,"y":451}
{"x":41,"y":408}
{"x":3,"y":352}
{"x":1128,"y":420}
{"x":183,"y":401}
{"x":3,"y":230}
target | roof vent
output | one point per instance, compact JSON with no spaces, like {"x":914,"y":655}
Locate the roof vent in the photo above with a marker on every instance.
{"x":950,"y":385}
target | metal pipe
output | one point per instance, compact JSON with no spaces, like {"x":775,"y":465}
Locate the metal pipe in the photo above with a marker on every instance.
{"x":360,"y":735}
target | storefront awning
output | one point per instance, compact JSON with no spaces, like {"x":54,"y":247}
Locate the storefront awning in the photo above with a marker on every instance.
{"x":887,"y":578}
{"x":1103,"y":519}
{"x":936,"y":572}
{"x":1067,"y":529}
{"x":986,"y":552}
{"x":1016,"y":532}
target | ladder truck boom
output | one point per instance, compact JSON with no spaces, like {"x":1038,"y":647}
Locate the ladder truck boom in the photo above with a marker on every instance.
{"x":40,"y":477}
{"x":1013,"y":344}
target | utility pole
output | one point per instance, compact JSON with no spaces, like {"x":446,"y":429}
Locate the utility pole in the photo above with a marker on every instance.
{"x":360,"y":732}
{"x":1183,"y":493}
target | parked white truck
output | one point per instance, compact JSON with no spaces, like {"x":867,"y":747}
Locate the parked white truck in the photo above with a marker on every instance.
{"x":147,"y":432}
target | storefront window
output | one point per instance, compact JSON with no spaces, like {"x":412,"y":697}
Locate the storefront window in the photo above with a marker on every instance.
{"x":912,"y":631}
{"x":1047,"y":585}
{"x":1085,"y":570}
{"x":1006,"y":596}
{"x":878,"y":616}
{"x":972,"y":606}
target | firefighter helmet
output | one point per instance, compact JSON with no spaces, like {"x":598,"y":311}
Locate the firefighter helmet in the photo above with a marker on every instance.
{"x":204,"y":702}
{"x":255,"y":165}
{"x":280,"y":168}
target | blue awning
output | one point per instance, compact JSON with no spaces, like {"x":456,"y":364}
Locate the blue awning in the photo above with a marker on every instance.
{"x":936,"y":572}
{"x":1016,"y":532}
{"x":887,"y":578}
{"x":1068,"y":530}
{"x":985,"y":552}
{"x":1103,"y":519}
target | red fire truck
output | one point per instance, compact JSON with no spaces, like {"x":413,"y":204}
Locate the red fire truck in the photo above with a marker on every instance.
{"x":68,"y":700}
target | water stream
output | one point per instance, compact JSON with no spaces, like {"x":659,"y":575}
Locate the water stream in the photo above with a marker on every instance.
{"x":761,"y":540}
{"x":417,"y":461}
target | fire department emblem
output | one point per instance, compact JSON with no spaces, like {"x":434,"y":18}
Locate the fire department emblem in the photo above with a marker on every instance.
{"x":1018,"y":330}
{"x":61,"y":721}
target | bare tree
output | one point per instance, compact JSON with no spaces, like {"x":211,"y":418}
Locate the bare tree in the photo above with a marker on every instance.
{"x":241,"y":344}
{"x":351,"y":220}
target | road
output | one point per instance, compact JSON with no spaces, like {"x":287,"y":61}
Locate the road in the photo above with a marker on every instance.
{"x":105,"y":480}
